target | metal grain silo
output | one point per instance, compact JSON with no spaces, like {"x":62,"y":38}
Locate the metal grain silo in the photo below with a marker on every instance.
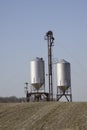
{"x":37,"y":73}
{"x":63,"y":75}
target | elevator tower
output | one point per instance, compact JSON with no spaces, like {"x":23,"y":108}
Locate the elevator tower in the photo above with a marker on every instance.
{"x":49,"y":37}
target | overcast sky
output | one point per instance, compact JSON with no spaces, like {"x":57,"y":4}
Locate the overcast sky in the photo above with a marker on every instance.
{"x":23,"y":24}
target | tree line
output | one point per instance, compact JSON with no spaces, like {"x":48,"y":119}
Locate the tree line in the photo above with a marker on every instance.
{"x":12,"y":99}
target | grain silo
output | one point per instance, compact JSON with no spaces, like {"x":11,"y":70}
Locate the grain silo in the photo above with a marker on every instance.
{"x":64,"y":80}
{"x":37,"y":73}
{"x":37,"y":81}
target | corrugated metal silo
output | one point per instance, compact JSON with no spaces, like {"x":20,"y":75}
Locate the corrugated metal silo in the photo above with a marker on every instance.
{"x":63,"y":75}
{"x":37,"y":73}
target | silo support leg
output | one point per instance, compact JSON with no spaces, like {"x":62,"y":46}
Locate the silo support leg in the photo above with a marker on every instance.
{"x":58,"y":97}
{"x":67,"y":98}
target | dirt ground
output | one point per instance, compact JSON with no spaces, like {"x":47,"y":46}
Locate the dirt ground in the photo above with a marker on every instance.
{"x":43,"y":116}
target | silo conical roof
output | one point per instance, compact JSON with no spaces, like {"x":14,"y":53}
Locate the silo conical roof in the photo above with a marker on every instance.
{"x":63,"y":61}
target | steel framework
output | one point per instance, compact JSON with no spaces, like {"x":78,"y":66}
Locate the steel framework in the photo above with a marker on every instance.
{"x":49,"y":37}
{"x":67,"y":93}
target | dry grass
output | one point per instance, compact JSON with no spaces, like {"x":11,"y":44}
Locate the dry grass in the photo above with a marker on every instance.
{"x":43,"y":116}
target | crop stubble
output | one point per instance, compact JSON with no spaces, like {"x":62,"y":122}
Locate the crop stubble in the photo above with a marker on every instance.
{"x":43,"y":116}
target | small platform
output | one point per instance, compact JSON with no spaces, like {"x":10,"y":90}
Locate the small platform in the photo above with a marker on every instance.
{"x":37,"y":96}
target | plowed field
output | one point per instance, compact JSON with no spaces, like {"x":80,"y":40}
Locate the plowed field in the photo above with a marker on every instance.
{"x":43,"y":116}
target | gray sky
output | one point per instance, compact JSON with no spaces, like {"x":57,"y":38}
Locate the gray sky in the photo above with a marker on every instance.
{"x":23,"y":24}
